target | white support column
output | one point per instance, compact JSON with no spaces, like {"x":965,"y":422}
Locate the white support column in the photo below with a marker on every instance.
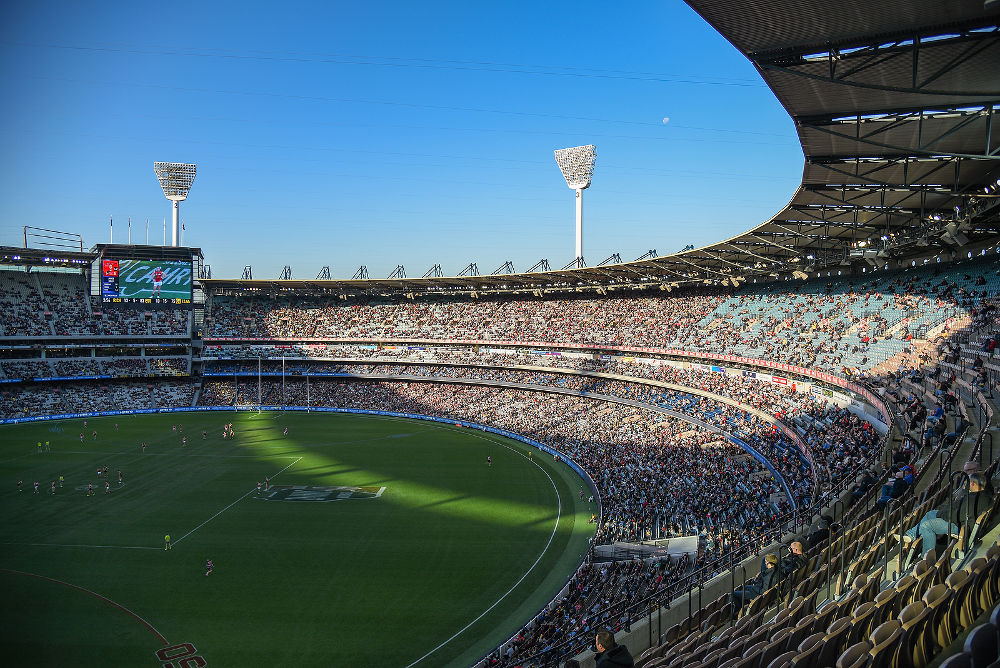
{"x":579,"y":226}
{"x":176,"y":227}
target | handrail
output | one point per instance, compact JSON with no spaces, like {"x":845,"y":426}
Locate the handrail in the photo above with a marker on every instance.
{"x":732,"y":594}
{"x":952,"y":488}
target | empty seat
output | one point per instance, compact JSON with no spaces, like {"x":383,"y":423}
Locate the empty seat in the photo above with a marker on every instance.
{"x":885,"y":643}
{"x":981,"y":645}
{"x":856,"y":656}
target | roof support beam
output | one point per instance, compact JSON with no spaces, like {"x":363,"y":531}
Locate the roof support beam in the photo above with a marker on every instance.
{"x":848,"y":60}
{"x":925,"y":146}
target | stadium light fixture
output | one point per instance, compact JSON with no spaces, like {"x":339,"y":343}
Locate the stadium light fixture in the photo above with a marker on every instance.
{"x":175,"y":179}
{"x":577,"y":167}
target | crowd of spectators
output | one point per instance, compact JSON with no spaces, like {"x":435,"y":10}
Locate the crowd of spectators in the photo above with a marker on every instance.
{"x":91,"y":396}
{"x":95,"y":366}
{"x":125,"y":366}
{"x":90,"y":366}
{"x":845,"y":328}
{"x":27,"y":369}
{"x":22,"y":306}
{"x":168,"y":366}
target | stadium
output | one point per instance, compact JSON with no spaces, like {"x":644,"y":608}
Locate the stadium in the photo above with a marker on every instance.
{"x":773,"y":450}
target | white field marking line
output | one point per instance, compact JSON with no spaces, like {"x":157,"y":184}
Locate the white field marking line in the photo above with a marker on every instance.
{"x":233,"y":504}
{"x":526,"y":573}
{"x":115,"y":547}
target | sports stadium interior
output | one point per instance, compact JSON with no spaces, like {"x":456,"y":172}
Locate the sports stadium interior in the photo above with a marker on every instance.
{"x":767,"y":389}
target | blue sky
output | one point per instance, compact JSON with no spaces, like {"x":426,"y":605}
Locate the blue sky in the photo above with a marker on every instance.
{"x":386,"y":133}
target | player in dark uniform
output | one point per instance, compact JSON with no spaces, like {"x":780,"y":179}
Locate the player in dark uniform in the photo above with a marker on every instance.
{"x":90,"y":489}
{"x":209,"y":567}
{"x":489,"y":461}
{"x":20,"y":485}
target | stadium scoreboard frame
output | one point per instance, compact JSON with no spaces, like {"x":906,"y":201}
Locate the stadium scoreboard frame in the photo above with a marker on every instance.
{"x":147,"y":276}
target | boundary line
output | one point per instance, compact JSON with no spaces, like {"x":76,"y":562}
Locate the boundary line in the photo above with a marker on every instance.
{"x":526,"y":573}
{"x":115,"y":547}
{"x":95,"y":595}
{"x":233,"y":504}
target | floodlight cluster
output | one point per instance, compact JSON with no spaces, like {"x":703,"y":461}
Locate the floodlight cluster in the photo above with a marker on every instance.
{"x":577,"y":165}
{"x":175,"y":178}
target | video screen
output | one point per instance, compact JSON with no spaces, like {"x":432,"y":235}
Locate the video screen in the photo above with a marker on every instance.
{"x":163,"y":282}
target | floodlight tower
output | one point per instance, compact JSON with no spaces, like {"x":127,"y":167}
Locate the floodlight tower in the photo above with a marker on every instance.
{"x":175,"y":179}
{"x":577,"y":167}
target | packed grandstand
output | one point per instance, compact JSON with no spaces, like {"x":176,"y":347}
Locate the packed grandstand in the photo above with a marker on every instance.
{"x":746,"y":413}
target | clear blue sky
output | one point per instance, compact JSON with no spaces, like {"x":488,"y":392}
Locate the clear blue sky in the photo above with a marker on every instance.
{"x":385,"y":133}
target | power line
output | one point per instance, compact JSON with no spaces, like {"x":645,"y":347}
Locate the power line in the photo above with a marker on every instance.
{"x":317,"y":98}
{"x":393,"y":61}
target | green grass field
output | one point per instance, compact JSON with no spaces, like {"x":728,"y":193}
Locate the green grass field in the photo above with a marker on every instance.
{"x":448,"y":561}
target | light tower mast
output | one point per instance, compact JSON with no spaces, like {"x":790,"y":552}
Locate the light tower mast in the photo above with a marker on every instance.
{"x":175,"y":179}
{"x":577,"y":167}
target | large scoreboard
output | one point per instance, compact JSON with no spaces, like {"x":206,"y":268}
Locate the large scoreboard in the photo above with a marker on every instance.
{"x":125,"y":278}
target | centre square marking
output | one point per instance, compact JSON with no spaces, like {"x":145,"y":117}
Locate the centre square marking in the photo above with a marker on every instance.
{"x":319,"y":494}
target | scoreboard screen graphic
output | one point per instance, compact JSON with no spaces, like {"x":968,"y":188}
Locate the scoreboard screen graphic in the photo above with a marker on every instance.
{"x":165,"y":282}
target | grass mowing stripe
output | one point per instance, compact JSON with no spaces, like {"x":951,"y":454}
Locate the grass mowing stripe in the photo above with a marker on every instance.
{"x":252,"y":490}
{"x":526,"y":573}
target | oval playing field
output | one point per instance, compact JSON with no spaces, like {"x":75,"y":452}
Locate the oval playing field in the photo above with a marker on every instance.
{"x":381,"y":541}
